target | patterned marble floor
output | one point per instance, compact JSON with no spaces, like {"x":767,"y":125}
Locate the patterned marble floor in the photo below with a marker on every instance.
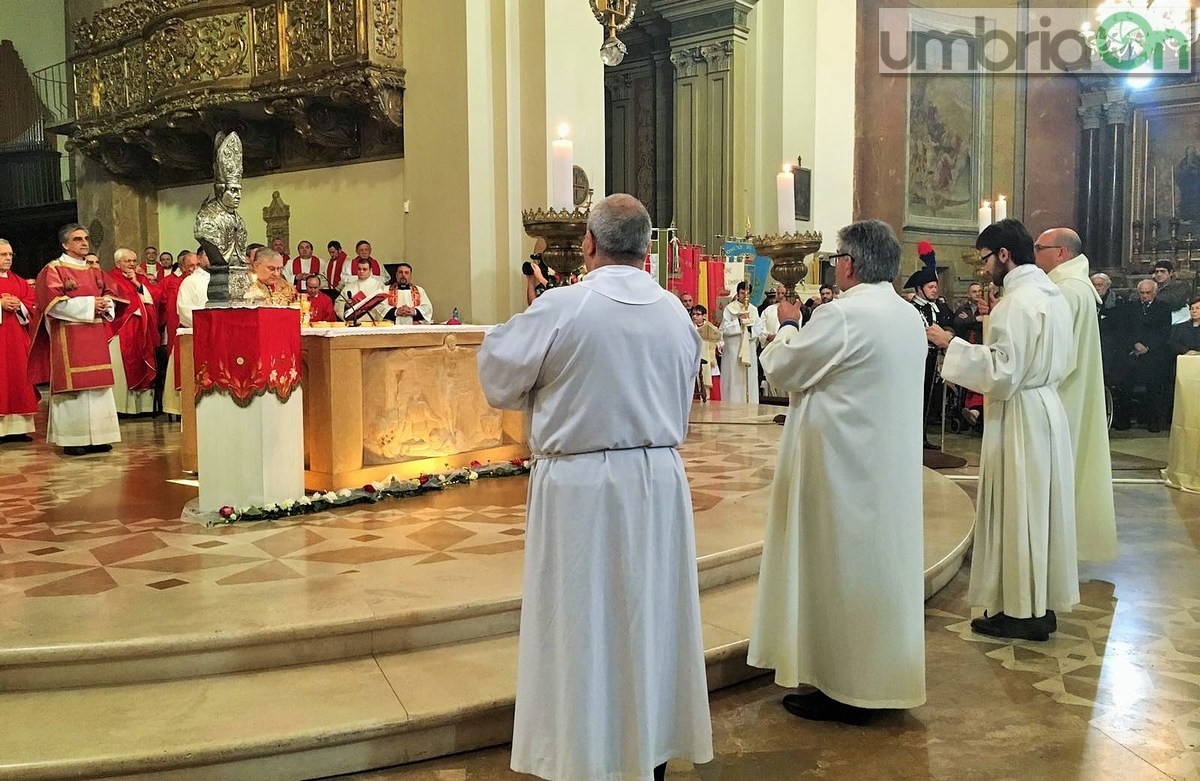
{"x":106,"y":522}
{"x":1114,"y":695}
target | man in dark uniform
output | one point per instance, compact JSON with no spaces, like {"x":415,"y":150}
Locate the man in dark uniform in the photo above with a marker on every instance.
{"x":925,"y":282}
{"x":1148,"y":360}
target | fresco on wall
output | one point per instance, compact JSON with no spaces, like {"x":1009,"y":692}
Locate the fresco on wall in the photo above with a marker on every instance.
{"x":943,"y":152}
{"x":1167,"y":184}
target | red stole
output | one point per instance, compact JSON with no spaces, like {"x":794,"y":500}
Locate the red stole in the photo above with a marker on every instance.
{"x":137,"y":326}
{"x":72,"y":356}
{"x":338,"y":265}
{"x":298,"y":270}
{"x":17,"y":394}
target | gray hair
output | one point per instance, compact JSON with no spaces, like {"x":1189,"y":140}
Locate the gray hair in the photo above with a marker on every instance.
{"x":1105,"y":278}
{"x":6,"y":242}
{"x":1070,"y":240}
{"x":1150,"y":282}
{"x":124,"y":251}
{"x":264,"y":254}
{"x":70,"y":228}
{"x":875,"y":249}
{"x":620,"y":226}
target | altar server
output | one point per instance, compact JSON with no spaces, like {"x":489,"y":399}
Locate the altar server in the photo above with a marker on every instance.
{"x":303,"y":266}
{"x":18,"y":397}
{"x":133,"y":337}
{"x":740,"y":327}
{"x":1059,"y":253}
{"x":1023,"y":565}
{"x":611,"y":677}
{"x":840,"y":603}
{"x":70,"y":349}
{"x":193,"y":295}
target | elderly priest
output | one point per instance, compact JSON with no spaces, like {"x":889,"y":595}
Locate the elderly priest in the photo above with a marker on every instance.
{"x":610,"y":670}
{"x":134,"y":337}
{"x":70,"y":349}
{"x":1023,"y":565}
{"x":18,"y":397}
{"x":841,"y":592}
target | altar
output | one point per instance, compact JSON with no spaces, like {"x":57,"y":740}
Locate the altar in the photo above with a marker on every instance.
{"x":380,"y":401}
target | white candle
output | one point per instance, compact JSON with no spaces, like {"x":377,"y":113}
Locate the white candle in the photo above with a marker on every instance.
{"x":985,"y":215}
{"x":785,"y":199}
{"x":562,"y":173}
{"x":1001,"y":209}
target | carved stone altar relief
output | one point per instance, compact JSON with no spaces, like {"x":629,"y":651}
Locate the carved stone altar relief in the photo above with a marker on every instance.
{"x":424,"y":402}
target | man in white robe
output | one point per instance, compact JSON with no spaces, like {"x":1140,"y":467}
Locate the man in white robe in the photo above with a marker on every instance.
{"x":1059,"y":253}
{"x":360,"y":288}
{"x":611,"y":675}
{"x":410,"y":302}
{"x":840,"y":602}
{"x":193,"y":295}
{"x":740,"y":327}
{"x":770,"y":327}
{"x":1023,"y":565}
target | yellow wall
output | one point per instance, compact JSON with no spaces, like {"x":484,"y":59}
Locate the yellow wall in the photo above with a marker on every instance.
{"x":36,"y":29}
{"x":347,"y":203}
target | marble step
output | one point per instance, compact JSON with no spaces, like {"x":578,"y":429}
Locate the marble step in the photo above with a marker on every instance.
{"x":315,"y":625}
{"x":306,"y":721}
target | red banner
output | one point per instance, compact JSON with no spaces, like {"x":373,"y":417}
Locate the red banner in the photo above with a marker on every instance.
{"x":246,"y":353}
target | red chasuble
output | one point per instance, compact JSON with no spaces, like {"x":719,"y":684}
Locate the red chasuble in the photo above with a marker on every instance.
{"x":321,"y":309}
{"x":17,"y":394}
{"x":73,"y":356}
{"x":137,"y":326}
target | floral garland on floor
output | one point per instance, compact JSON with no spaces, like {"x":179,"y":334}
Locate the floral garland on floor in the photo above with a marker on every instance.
{"x":392,"y":488}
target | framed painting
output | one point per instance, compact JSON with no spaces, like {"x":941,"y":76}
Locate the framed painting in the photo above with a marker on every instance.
{"x":947,"y":138}
{"x":802,"y":183}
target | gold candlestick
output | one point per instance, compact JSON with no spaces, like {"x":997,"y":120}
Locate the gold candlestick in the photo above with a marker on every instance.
{"x":563,"y":232}
{"x":787,"y":254}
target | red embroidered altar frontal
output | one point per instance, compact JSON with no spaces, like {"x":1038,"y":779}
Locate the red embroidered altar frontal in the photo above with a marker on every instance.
{"x":247,"y":352}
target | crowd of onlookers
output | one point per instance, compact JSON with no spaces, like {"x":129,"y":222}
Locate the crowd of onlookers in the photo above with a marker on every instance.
{"x":1141,"y":335}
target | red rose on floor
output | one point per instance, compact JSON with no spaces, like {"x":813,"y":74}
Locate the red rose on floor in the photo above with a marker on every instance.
{"x":475,"y":464}
{"x":423,"y":479}
{"x":517,"y":461}
{"x":226,"y":511}
{"x":369,"y":489}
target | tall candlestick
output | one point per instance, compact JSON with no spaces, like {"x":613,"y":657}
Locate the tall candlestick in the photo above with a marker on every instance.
{"x":785,"y":200}
{"x":985,"y":215}
{"x":562,"y":171}
{"x":1174,"y":203}
{"x":1154,"y":192}
{"x":1001,"y":209}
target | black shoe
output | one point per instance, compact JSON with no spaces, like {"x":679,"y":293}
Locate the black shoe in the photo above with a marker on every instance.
{"x":818,"y":706}
{"x":75,"y":451}
{"x":98,"y":448}
{"x":1050,"y":621}
{"x":660,"y":772}
{"x":1001,"y":625}
{"x":929,"y":445}
{"x":16,"y":438}
{"x":779,"y":420}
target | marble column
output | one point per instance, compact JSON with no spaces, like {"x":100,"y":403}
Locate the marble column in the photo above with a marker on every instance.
{"x":1087,"y":194}
{"x":712,"y":101}
{"x":1112,"y":189}
{"x":118,"y":213}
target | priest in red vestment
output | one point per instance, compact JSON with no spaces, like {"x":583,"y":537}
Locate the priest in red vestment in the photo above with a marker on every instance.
{"x":320,"y":306}
{"x":340,"y":268}
{"x":18,"y":398}
{"x":303,"y":266}
{"x":70,"y":348}
{"x":133,"y":337}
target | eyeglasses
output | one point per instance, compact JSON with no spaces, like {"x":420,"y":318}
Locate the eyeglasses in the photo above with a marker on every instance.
{"x":1040,"y":247}
{"x":833,"y":259}
{"x":984,"y":259}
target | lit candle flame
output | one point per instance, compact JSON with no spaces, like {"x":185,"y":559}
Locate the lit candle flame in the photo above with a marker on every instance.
{"x":563,"y":130}
{"x":787,"y":168}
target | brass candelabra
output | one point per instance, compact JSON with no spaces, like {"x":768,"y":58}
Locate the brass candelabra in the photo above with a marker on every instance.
{"x":788,"y":253}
